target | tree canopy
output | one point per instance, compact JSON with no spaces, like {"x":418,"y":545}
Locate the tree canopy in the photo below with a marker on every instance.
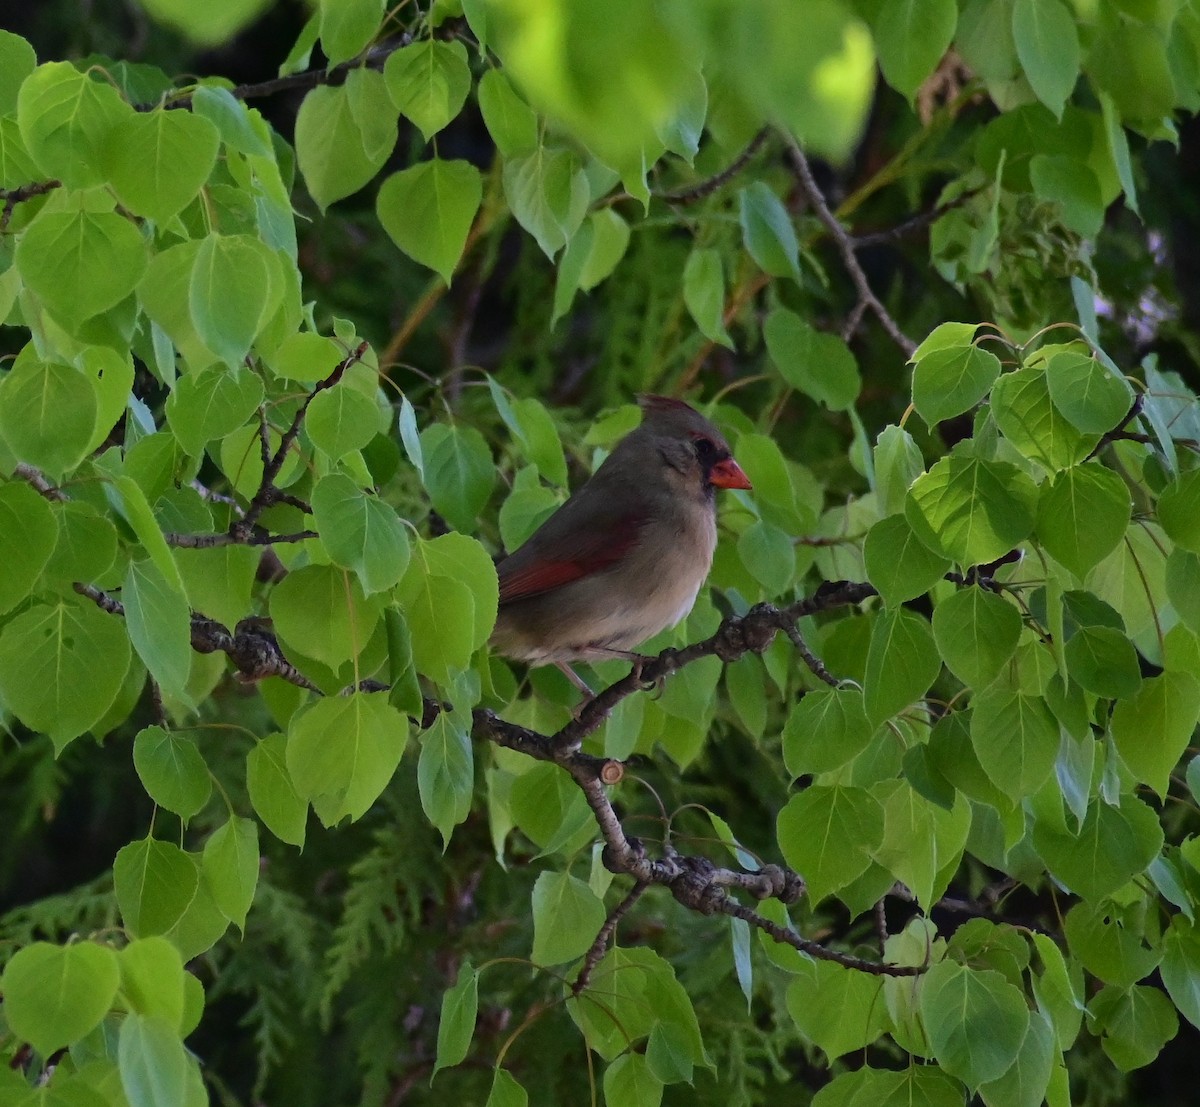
{"x":308,"y":313}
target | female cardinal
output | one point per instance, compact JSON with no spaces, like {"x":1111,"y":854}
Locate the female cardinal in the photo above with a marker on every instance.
{"x":625,"y":556}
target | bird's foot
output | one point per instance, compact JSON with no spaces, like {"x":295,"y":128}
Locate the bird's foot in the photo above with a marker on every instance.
{"x":575,"y":679}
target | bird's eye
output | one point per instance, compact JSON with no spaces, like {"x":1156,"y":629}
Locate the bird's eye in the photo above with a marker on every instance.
{"x":706,"y":451}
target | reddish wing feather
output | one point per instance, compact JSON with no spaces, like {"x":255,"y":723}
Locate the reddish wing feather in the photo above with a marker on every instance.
{"x":524,"y":576}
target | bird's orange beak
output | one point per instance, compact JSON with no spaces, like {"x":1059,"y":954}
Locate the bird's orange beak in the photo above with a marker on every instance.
{"x":728,"y":474}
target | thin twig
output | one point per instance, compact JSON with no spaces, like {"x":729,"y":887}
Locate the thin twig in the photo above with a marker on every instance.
{"x":101,"y":599}
{"x":810,"y":659}
{"x":709,"y":185}
{"x":845,"y":246}
{"x":267,"y":493}
{"x":600,"y":945}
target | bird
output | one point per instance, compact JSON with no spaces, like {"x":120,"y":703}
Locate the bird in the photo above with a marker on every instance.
{"x":626,"y":555}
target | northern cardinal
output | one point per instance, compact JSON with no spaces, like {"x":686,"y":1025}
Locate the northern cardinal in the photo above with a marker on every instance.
{"x":626,"y":555}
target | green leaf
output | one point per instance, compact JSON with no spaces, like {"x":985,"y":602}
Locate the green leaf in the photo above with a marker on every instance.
{"x":826,"y":729}
{"x":897,"y":464}
{"x":828,"y":834}
{"x":47,"y":414}
{"x":316,"y":614}
{"x":548,"y":194}
{"x":153,"y":980}
{"x":347,"y":26}
{"x":343,"y":750}
{"x":154,"y":883}
{"x":459,"y":472}
{"x":344,"y":135}
{"x":230,"y":867}
{"x":1183,"y":587}
{"x":1015,"y":737}
{"x":17,"y":61}
{"x":1022,"y":409}
{"x":1179,"y":510}
{"x":1102,"y":944}
{"x":948,"y":380}
{"x":976,"y":633}
{"x":567,"y":916}
{"x":970,"y":510}
{"x":1128,"y":62}
{"x":212,"y":403}
{"x":902,"y":663}
{"x":769,"y":554}
{"x":1090,"y":397}
{"x":427,"y":210}
{"x":158,"y":161}
{"x":16,"y":166}
{"x":1114,"y":844}
{"x":1027,"y":1079}
{"x":900,"y":565}
{"x":630,"y":1082}
{"x":704,"y":294}
{"x":54,"y":995}
{"x":152,"y":1061}
{"x":428,"y":81}
{"x":1074,"y":187}
{"x":229,"y":293}
{"x":440,"y":612}
{"x":610,"y":240}
{"x":456,"y":1026}
{"x":341,"y":419}
{"x":112,"y":377}
{"x":1048,"y":45}
{"x":241,"y":127}
{"x":911,"y":37}
{"x":509,"y":120}
{"x":1102,"y":660}
{"x":1058,"y":990}
{"x":61,"y":667}
{"x":976,"y":1021}
{"x":208,"y":24}
{"x":1154,"y":727}
{"x":446,"y":773}
{"x":274,"y":796}
{"x":307,"y":357}
{"x":1180,"y":968}
{"x":85,"y":550}
{"x":767,"y":231}
{"x":29,"y":534}
{"x":65,"y":117}
{"x":172,"y":770}
{"x":1135,"y":1024}
{"x":835,"y":1008}
{"x":922,"y":841}
{"x":160,"y":626}
{"x":80,"y":263}
{"x":506,"y":1092}
{"x":820,"y":365}
{"x":1082,"y":516}
{"x":361,"y":532}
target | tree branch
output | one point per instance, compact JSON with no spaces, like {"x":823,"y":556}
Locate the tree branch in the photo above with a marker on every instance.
{"x":845,"y":246}
{"x":14,"y":196}
{"x":38,"y":480}
{"x":696,"y":882}
{"x":257,"y":538}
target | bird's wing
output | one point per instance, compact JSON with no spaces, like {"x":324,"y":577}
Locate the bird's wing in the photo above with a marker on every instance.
{"x":563,"y":551}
